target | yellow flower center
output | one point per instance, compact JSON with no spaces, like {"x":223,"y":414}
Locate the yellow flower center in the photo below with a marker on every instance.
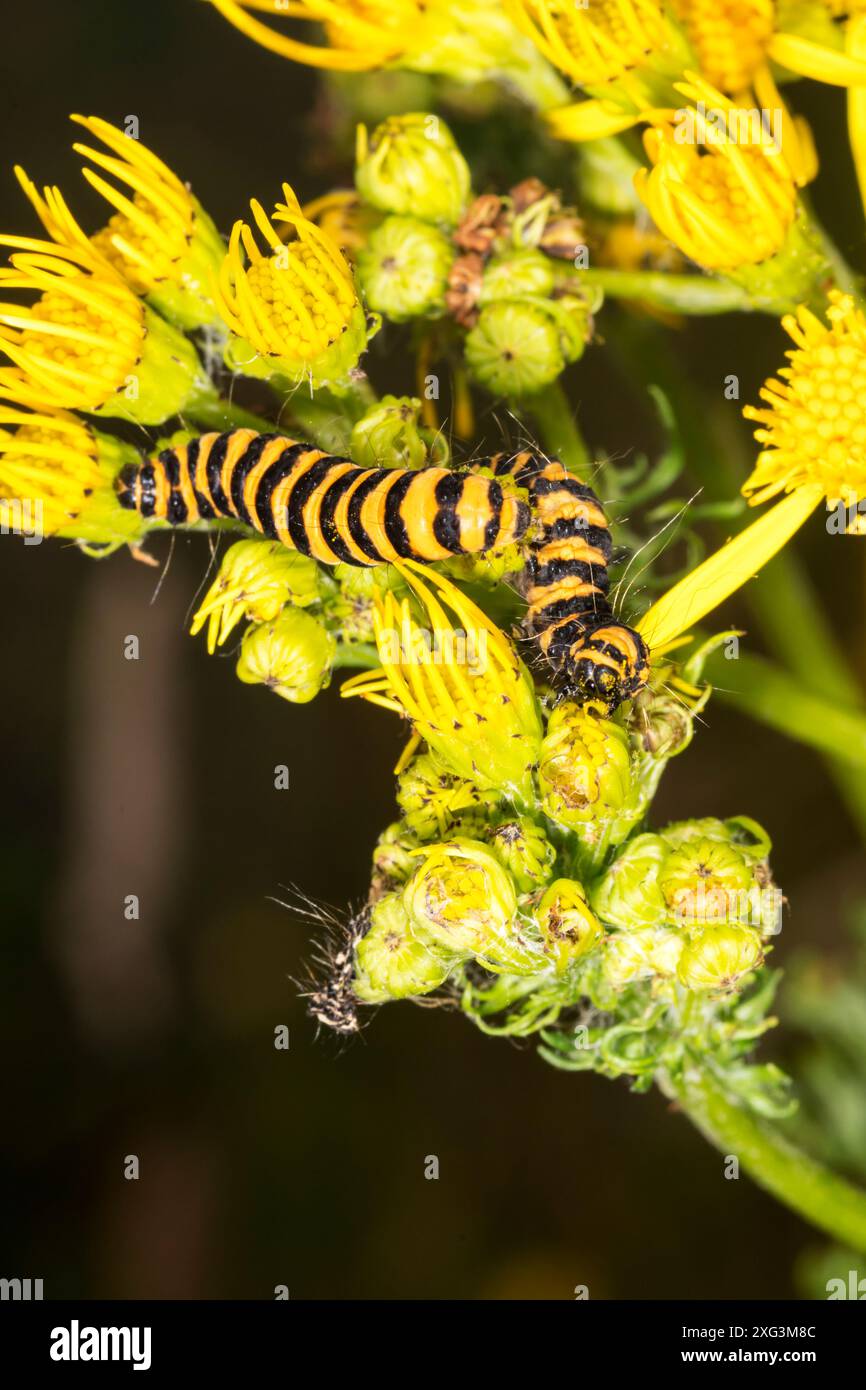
{"x":145,"y":251}
{"x":813,"y":426}
{"x":305,"y":311}
{"x":50,"y":462}
{"x":730,"y":38}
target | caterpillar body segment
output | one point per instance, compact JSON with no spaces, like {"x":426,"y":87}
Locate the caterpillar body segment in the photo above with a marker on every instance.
{"x":597,"y":658}
{"x":323,"y":505}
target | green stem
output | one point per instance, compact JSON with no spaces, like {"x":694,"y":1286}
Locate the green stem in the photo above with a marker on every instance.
{"x":779,"y":700}
{"x":559,"y":431}
{"x":829,"y":1202}
{"x":221,"y":415}
{"x":362,"y":656}
{"x":684,"y":294}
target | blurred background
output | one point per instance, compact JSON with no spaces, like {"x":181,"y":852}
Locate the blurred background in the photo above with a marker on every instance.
{"x":155,"y":777}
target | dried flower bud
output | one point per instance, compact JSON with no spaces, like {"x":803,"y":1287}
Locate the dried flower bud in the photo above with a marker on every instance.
{"x":404,"y":269}
{"x":464,"y":288}
{"x":522,"y":848}
{"x":716,"y":959}
{"x":568,"y":927}
{"x":564,"y":236}
{"x":291,"y":656}
{"x":390,"y":962}
{"x":411,"y":164}
{"x":481,"y":226}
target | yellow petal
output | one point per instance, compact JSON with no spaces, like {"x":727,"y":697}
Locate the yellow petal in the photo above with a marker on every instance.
{"x":724,"y":572}
{"x":855,"y":43}
{"x":814,"y":60}
{"x":589,"y":120}
{"x":313,"y":56}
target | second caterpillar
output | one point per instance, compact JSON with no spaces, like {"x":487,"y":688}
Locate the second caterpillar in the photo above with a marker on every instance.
{"x":337,"y":512}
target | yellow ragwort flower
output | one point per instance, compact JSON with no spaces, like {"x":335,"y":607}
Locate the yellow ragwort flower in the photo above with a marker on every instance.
{"x":726,"y":203}
{"x":735,"y":40}
{"x":458,"y":679}
{"x":57,"y":478}
{"x":599,"y":42}
{"x":813,"y":426}
{"x":292,"y":307}
{"x":88,"y":342}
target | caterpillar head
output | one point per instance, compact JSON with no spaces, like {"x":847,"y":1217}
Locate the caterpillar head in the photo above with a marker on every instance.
{"x":607,"y":665}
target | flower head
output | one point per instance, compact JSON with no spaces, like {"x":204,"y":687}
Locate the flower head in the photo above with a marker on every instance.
{"x":569,"y":928}
{"x":597,"y":43}
{"x":458,"y":680}
{"x":57,"y":474}
{"x":716,"y":959}
{"x":292,"y":306}
{"x":362,"y":34}
{"x":256,"y":580}
{"x":585,"y":768}
{"x":159,"y":236}
{"x":730,"y":38}
{"x":403,"y":269}
{"x":522,"y":847}
{"x":411,"y":164}
{"x":391,"y":963}
{"x":725,"y":202}
{"x":87,"y":342}
{"x":291,"y":656}
{"x":813,"y":428}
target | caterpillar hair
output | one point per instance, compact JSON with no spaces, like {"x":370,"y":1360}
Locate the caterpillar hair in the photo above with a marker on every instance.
{"x":596,"y":658}
{"x":322,"y":505}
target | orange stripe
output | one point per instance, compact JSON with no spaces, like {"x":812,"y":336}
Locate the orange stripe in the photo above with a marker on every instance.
{"x":281,"y":495}
{"x":270,"y":453}
{"x":319,"y":548}
{"x":238,"y":444}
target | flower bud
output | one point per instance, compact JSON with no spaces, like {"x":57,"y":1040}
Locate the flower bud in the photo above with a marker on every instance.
{"x":745,"y":834}
{"x":717,"y":958}
{"x":404,"y":269}
{"x":393,"y":858}
{"x":705,"y":881}
{"x":524,"y":850}
{"x":291,"y":656}
{"x":628,"y":896}
{"x":568,"y":927}
{"x":390,"y":962}
{"x":661,"y":725}
{"x":514,"y":349}
{"x":431,"y":798}
{"x":585,"y":772}
{"x":517,"y":273}
{"x":462,"y":901}
{"x":411,"y":164}
{"x":640,"y":955}
{"x":256,"y":580}
{"x":387,"y":436}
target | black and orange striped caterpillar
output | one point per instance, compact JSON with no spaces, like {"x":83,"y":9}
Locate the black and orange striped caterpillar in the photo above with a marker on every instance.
{"x":335,"y":511}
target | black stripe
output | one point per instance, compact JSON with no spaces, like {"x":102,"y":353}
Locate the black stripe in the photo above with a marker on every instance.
{"x":274,"y":474}
{"x":213,"y":469}
{"x":595,"y":607}
{"x":491,"y":530}
{"x":556,"y":570}
{"x":396,"y":530}
{"x":241,"y":471}
{"x":331,"y":534}
{"x":125,"y":485}
{"x":147,"y":488}
{"x":543,"y":487}
{"x":300,"y":496}
{"x":205,"y":510}
{"x":171,"y":466}
{"x":570,"y":528}
{"x":177,"y":511}
{"x":353,"y":520}
{"x":446,"y":523}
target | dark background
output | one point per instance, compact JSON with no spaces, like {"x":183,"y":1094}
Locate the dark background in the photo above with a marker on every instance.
{"x":155,"y":777}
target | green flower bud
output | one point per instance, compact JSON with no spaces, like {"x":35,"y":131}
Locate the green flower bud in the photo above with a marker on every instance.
{"x":404,"y":268}
{"x":517,"y":273}
{"x":411,"y":164}
{"x":717,"y":958}
{"x":705,"y":881}
{"x":745,"y":834}
{"x":661,"y":725}
{"x":256,"y":580}
{"x":568,"y":927}
{"x":640,"y":955}
{"x":628,"y":896}
{"x":394,"y":859}
{"x":572,"y":314}
{"x":387,"y":436}
{"x":390,"y":962}
{"x":585,"y":773}
{"x":488,"y":570}
{"x":350,"y":609}
{"x":291,"y":656}
{"x":524,"y":850}
{"x":514,"y":349}
{"x":462,"y":901}
{"x":431,"y":798}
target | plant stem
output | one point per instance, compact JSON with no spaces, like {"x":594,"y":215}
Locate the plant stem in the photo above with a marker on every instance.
{"x":361,"y":655}
{"x":559,"y":431}
{"x":222,"y":415}
{"x":829,"y":1202}
{"x":684,"y":294}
